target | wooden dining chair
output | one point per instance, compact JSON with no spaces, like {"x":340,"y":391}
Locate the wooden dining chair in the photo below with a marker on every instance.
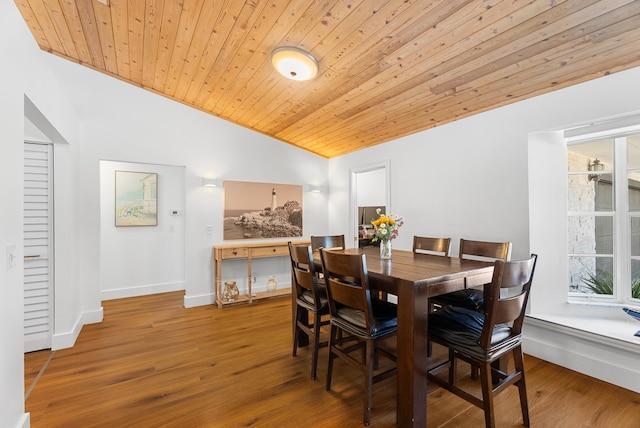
{"x":310,"y":297}
{"x":472,"y":298}
{"x":358,"y":322}
{"x":483,"y":338}
{"x":434,"y":246}
{"x":484,"y":250}
{"x":328,"y":241}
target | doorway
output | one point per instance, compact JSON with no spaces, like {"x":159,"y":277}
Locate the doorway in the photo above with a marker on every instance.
{"x":369,"y":191}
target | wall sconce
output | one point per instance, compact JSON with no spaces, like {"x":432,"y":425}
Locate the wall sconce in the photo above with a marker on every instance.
{"x":312,"y":188}
{"x":211,"y":182}
{"x":294,"y":63}
{"x":596,"y":165}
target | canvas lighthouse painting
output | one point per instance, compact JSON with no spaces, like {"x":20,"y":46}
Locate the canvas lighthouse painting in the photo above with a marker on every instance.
{"x":262,"y":210}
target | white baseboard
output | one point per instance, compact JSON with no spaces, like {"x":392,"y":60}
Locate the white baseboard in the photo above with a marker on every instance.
{"x":25,"y":421}
{"x":68,"y":339}
{"x":191,"y":301}
{"x":200,"y":300}
{"x":141,"y":290}
{"x":609,"y":359}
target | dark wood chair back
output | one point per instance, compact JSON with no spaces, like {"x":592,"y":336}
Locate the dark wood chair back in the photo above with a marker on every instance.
{"x":311,"y":298}
{"x":516,"y":276}
{"x":328,"y":241}
{"x":304,"y":274}
{"x":472,"y":298}
{"x":483,"y":250}
{"x":347,"y":283}
{"x":427,"y":245}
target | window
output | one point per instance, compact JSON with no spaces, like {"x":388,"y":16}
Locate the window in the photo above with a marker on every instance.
{"x":603,"y":224}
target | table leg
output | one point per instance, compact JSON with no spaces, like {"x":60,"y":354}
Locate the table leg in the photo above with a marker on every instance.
{"x":412,"y":357}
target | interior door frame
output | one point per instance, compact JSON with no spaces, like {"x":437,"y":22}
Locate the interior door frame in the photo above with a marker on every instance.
{"x":62,"y":212}
{"x":353,"y":188}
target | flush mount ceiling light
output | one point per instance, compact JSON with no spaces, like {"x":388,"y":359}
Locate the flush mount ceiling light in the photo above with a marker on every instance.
{"x":294,"y":63}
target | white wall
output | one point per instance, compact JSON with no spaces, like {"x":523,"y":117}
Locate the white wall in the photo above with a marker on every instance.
{"x":501,"y":175}
{"x":147,"y":259}
{"x":22,"y":76}
{"x":123,"y":123}
{"x":11,"y":131}
{"x":459,"y":180}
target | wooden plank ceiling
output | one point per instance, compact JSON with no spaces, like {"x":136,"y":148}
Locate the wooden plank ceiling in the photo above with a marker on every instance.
{"x":387,"y":68}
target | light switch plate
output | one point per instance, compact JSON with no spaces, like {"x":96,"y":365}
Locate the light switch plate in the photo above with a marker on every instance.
{"x":10,"y":251}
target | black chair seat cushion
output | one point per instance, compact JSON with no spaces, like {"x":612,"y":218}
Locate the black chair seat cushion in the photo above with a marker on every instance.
{"x":307,"y":297}
{"x":385,"y":319}
{"x":470,"y":298}
{"x":460,"y":328}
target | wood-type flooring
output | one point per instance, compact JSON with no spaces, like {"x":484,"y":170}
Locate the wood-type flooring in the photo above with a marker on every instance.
{"x":153,"y":363}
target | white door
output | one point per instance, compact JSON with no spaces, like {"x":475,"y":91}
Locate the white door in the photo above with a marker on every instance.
{"x":38,"y":242}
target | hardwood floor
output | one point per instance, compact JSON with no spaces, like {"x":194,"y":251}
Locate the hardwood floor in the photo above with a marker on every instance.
{"x":153,"y":363}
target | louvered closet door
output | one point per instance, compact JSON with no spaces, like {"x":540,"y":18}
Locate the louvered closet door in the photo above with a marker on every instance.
{"x":38,"y":263}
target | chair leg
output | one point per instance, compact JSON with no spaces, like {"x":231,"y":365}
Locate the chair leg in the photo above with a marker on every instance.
{"x":522,"y":387}
{"x":487,"y":395}
{"x":453,"y":372}
{"x":370,"y":362}
{"x":333,"y":336}
{"x":474,"y":373}
{"x":316,"y":345}
{"x":296,"y":330}
{"x":376,"y":360}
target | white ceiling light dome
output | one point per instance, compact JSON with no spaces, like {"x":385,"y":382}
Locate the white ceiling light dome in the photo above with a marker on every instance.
{"x":294,"y":63}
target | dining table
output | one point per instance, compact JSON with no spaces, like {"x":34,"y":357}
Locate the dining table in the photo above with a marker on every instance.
{"x":414,"y":278}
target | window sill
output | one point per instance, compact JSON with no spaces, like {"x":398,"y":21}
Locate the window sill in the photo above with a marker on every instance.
{"x":613,"y":331}
{"x":603,"y":348}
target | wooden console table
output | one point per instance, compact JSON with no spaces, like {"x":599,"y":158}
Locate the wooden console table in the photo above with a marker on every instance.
{"x":248,"y":252}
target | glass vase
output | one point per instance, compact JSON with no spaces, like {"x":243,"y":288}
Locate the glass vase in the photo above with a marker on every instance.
{"x":385,"y":249}
{"x":272,"y":285}
{"x":231,"y":291}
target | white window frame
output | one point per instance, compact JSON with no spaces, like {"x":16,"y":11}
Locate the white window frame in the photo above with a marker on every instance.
{"x":621,"y":217}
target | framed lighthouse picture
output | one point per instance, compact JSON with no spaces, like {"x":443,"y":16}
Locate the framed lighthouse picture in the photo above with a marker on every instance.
{"x":262,"y":210}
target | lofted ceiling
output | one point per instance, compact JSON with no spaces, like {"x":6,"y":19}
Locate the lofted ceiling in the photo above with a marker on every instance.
{"x":387,"y":68}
